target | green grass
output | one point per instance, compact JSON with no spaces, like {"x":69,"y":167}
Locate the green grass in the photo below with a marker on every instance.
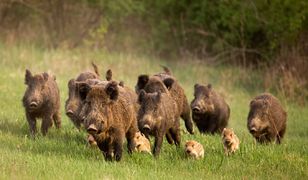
{"x":64,"y":154}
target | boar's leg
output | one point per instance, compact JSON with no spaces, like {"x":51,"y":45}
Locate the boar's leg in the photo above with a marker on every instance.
{"x":32,"y":124}
{"x":187,"y":119}
{"x":106,"y":149}
{"x":280,"y":135}
{"x":176,"y":135}
{"x":118,"y":148}
{"x":169,"y":137}
{"x":159,"y":135}
{"x":57,"y":120}
{"x":130,"y":139}
{"x":46,"y":123}
{"x":213,"y":126}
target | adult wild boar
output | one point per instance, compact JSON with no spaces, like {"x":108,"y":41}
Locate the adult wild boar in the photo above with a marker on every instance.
{"x":158,"y":116}
{"x":153,"y":84}
{"x":73,"y":103}
{"x":41,"y":100}
{"x":210,"y":112}
{"x":109,"y":116}
{"x":267,"y":119}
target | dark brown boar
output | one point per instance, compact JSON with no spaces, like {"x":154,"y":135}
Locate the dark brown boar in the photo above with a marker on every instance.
{"x":153,"y":84}
{"x":41,"y":100}
{"x":88,"y":74}
{"x":267,"y":119}
{"x":158,"y":116}
{"x":73,"y":103}
{"x":210,"y":112}
{"x":110,"y":117}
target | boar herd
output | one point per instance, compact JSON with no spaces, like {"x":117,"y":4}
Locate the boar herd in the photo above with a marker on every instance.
{"x":111,"y":112}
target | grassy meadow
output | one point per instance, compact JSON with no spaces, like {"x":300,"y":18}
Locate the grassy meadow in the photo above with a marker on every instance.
{"x":63,"y":154}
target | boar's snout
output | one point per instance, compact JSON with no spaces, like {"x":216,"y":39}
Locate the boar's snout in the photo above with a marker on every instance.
{"x":69,"y":113}
{"x":252,"y":130}
{"x":33,"y":104}
{"x":196,"y":109}
{"x":146,"y":128}
{"x":92,"y":129}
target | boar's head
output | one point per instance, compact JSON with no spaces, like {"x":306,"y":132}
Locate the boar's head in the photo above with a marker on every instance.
{"x":36,"y":91}
{"x":96,"y":112}
{"x":204,"y":100}
{"x":150,"y":112}
{"x":258,"y":117}
{"x":73,"y":103}
{"x":153,"y":84}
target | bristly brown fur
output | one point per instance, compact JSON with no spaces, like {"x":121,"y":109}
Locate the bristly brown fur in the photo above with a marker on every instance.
{"x":165,"y":83}
{"x":210,"y":112}
{"x":158,"y":116}
{"x":41,"y":100}
{"x":110,"y":115}
{"x":267,"y":119}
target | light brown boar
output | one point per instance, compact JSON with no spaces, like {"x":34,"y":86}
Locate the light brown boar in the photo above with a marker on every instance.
{"x":230,"y":141}
{"x":194,"y":149}
{"x":141,"y":143}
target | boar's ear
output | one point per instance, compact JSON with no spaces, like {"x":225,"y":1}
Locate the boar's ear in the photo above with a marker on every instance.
{"x":70,"y":83}
{"x":252,"y":102}
{"x":45,"y":76}
{"x":83,"y":89}
{"x":95,"y":69}
{"x":209,"y":86}
{"x":109,"y":75}
{"x":168,"y":83}
{"x":112,"y":90}
{"x":196,"y":86}
{"x":166,"y":69}
{"x":141,"y":96}
{"x":121,"y":83}
{"x":28,"y":76}
{"x":142,"y":81}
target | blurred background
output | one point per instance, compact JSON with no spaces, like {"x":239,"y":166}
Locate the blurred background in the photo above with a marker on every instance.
{"x":268,"y":35}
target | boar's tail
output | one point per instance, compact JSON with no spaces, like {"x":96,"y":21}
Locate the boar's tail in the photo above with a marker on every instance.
{"x":95,"y":69}
{"x":166,"y":69}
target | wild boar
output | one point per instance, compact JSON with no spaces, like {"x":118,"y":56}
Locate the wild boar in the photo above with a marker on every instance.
{"x":158,"y":116}
{"x":141,"y":143}
{"x":230,"y":141}
{"x":153,"y":84}
{"x":109,"y":116}
{"x":41,"y":100}
{"x":267,"y":119}
{"x":210,"y":112}
{"x":73,"y":103}
{"x":194,"y":149}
